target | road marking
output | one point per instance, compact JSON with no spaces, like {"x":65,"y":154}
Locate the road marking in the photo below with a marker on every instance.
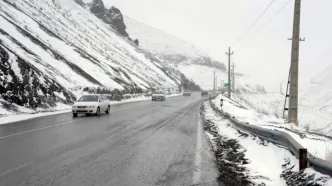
{"x":15,"y":169}
{"x":63,"y":123}
{"x":198,"y":158}
{"x":42,"y":128}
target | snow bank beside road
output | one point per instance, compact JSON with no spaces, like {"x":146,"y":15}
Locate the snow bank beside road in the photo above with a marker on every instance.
{"x":262,"y":162}
{"x":317,"y":145}
{"x":312,"y":117}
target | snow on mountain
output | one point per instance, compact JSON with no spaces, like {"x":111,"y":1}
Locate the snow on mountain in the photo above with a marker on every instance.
{"x":316,"y":102}
{"x":188,"y":59}
{"x":48,"y":49}
{"x":168,"y":47}
{"x":159,"y":42}
{"x":320,"y":91}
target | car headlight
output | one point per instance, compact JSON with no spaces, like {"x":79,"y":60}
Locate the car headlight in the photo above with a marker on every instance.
{"x":91,"y":106}
{"x":74,"y":106}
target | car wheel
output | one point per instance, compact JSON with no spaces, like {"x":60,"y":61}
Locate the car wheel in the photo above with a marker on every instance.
{"x":74,"y":115}
{"x":98,"y":111}
{"x":108,"y":110}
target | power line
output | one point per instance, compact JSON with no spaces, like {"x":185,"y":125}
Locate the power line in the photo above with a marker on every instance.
{"x":275,"y":15}
{"x":255,"y":22}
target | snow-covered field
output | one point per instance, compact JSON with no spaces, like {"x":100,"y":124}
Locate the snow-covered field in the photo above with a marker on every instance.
{"x":266,"y":162}
{"x":262,"y":113}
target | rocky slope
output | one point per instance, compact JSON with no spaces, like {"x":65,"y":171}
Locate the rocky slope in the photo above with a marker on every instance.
{"x":50,"y":50}
{"x":111,"y":16}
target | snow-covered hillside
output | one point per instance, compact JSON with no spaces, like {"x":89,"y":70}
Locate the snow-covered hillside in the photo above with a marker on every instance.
{"x":167,"y":47}
{"x":312,"y":118}
{"x":316,"y":102}
{"x":188,"y":59}
{"x":320,"y":91}
{"x":50,"y":48}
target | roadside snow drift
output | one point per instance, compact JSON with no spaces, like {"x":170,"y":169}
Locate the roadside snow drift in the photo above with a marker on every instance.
{"x":253,"y":161}
{"x":318,"y":145}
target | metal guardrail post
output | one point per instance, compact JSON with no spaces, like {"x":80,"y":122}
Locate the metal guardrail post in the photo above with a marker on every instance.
{"x":303,"y":158}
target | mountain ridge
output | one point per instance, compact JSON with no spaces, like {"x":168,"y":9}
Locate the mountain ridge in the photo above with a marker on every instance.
{"x":169,"y":47}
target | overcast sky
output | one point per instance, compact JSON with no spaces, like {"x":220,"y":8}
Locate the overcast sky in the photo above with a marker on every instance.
{"x":264,"y":54}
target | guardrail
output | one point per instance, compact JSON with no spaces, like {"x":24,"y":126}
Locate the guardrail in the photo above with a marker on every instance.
{"x":281,"y":138}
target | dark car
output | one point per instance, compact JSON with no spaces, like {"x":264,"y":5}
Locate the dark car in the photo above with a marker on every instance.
{"x":204,"y":93}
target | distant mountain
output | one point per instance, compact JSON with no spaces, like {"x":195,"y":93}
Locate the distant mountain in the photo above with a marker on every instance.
{"x":194,"y":63}
{"x":167,"y":47}
{"x":320,"y":90}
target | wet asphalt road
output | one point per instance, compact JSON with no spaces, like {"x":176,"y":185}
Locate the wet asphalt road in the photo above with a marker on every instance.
{"x":140,"y":143}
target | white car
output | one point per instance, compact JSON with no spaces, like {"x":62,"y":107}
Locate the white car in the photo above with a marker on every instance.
{"x":158,"y":95}
{"x":91,"y":104}
{"x":186,"y":93}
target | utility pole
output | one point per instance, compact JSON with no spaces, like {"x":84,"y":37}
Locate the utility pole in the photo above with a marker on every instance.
{"x":233,"y":76}
{"x":221,"y":84}
{"x":214,"y":80}
{"x":229,"y":53}
{"x":216,"y":84}
{"x":294,"y":70}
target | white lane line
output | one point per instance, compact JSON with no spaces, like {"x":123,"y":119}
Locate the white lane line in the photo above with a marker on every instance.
{"x":63,"y":123}
{"x":198,"y":158}
{"x":15,"y":169}
{"x":42,"y":128}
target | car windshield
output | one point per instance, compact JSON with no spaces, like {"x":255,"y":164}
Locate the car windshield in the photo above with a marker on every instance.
{"x":89,"y":98}
{"x":157,"y":92}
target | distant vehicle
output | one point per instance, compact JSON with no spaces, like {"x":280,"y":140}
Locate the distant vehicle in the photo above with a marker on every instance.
{"x":204,"y":93}
{"x":186,"y":93}
{"x":127,"y":96}
{"x":91,"y":104}
{"x":116,"y":97}
{"x":158,"y":95}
